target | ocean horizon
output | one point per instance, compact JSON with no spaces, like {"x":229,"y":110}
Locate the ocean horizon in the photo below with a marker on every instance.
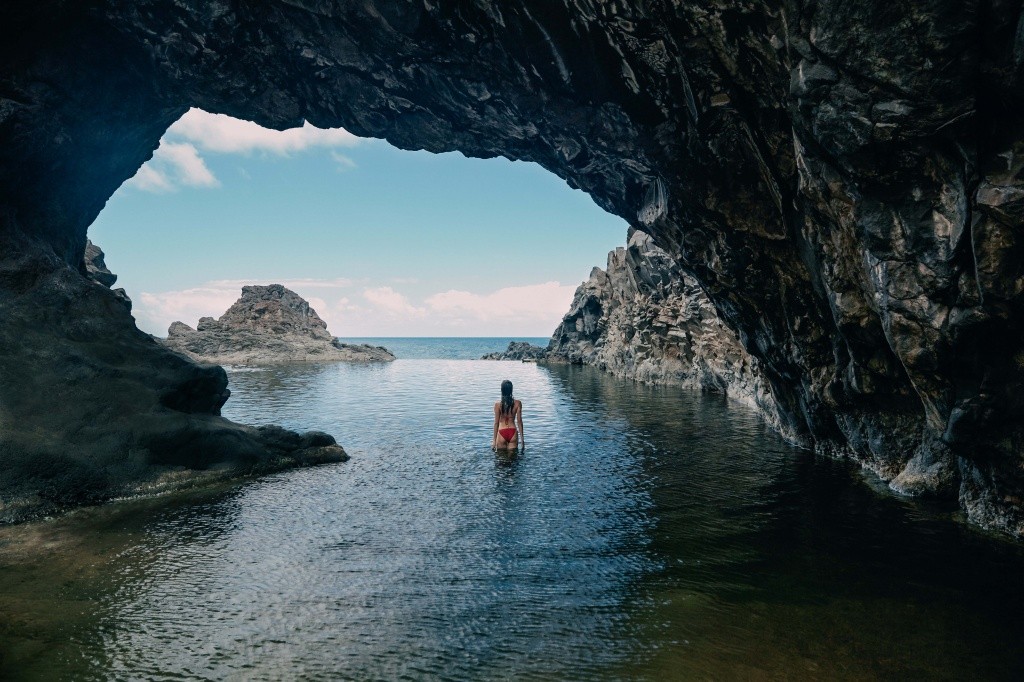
{"x":443,"y":347}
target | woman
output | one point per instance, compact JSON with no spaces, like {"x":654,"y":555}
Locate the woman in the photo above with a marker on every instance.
{"x":508,"y":420}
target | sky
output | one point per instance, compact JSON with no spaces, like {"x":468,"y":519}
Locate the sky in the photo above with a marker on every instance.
{"x":380,"y":241}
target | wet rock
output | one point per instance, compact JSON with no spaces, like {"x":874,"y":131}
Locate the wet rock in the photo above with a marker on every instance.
{"x":267,"y":325}
{"x":518,"y":350}
{"x":841,"y":179}
{"x":643,"y":318}
{"x":91,"y":408}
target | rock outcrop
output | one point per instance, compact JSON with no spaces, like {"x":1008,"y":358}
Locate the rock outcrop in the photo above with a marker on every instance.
{"x":267,"y":325}
{"x":91,"y":408}
{"x":845,"y":180}
{"x":518,"y":350}
{"x":96,"y":269}
{"x":645,"y":319}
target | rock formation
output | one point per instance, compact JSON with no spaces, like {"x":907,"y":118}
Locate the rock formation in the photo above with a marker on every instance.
{"x":96,"y":270}
{"x":267,"y":325}
{"x":518,"y":350}
{"x":92,"y":408}
{"x":644,"y":319}
{"x":843,"y":179}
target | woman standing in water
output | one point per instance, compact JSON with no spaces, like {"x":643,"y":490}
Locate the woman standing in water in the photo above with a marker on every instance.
{"x":508,"y":420}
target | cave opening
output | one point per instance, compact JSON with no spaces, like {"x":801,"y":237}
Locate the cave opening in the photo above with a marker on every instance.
{"x":383,"y":242}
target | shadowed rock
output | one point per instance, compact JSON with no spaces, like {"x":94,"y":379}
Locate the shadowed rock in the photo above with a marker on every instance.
{"x":518,"y":350}
{"x":92,"y":408}
{"x":845,"y":180}
{"x":267,"y":325}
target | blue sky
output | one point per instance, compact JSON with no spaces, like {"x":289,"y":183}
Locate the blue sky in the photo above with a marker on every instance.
{"x":382,"y":242}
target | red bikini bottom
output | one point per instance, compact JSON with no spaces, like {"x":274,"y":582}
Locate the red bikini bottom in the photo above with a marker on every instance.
{"x":507,"y":434}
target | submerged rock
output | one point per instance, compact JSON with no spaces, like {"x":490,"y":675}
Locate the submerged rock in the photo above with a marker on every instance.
{"x":267,"y":325}
{"x":518,"y":350}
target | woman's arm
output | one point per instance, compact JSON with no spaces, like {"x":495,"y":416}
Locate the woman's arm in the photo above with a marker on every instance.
{"x":494,"y":436}
{"x":519,"y":421}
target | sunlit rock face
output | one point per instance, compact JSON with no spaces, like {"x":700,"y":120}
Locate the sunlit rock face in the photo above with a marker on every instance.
{"x":643,"y":318}
{"x":843,"y":179}
{"x":267,"y":325}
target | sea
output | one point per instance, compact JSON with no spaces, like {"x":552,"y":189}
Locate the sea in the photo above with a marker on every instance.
{"x":444,"y":347}
{"x":642,"y":533}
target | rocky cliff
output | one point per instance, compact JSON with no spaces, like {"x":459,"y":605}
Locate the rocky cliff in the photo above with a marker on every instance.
{"x":92,"y":408}
{"x":267,"y":325}
{"x":843,"y":179}
{"x":643,"y":318}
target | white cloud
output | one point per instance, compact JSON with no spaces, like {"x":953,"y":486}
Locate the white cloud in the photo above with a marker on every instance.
{"x":389,"y":301}
{"x":344,"y":163}
{"x":352,"y":309}
{"x":223,"y":134}
{"x":177,"y":162}
{"x":174,"y":164}
{"x":531,"y":303}
{"x":191,"y":169}
{"x":149,"y":179}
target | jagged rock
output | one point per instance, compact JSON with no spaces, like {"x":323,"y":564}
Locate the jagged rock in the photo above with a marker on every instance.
{"x":267,"y":325}
{"x":96,"y":266}
{"x":843,"y":179}
{"x":518,"y":350}
{"x":91,"y":408}
{"x":96,"y":270}
{"x":645,"y":319}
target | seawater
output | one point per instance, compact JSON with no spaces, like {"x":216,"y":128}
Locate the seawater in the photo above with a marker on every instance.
{"x":444,"y":347}
{"x":643,"y":533}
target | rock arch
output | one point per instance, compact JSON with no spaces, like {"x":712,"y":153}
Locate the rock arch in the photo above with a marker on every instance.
{"x":842,"y":178}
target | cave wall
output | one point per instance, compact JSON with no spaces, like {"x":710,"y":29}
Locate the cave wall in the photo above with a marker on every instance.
{"x":843,"y":179}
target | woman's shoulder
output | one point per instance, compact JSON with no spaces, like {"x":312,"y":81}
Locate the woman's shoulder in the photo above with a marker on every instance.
{"x":518,"y":402}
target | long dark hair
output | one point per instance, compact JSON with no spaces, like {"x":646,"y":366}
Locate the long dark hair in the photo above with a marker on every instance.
{"x":507,"y":401}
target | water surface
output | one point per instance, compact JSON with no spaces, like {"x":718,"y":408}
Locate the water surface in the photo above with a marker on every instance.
{"x":444,"y":347}
{"x":643,"y":534}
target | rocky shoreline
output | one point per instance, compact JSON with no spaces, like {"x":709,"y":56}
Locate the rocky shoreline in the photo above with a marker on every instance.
{"x":92,"y":409}
{"x":643,"y":318}
{"x":267,"y":325}
{"x":845,"y":184}
{"x":521,"y":351}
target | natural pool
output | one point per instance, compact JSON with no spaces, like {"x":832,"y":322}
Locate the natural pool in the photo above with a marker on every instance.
{"x":644,"y":534}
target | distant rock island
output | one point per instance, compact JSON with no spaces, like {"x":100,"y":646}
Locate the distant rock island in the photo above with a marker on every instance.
{"x":267,"y":325}
{"x":518,"y":350}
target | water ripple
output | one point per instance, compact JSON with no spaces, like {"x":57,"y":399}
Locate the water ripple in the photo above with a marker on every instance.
{"x":644,"y":533}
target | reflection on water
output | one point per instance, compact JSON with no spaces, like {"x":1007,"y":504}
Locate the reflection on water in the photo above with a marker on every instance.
{"x":644,"y":533}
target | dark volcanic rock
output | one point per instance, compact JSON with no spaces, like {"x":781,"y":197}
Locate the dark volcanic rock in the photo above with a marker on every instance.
{"x":96,"y":269}
{"x":844,"y":179}
{"x":267,"y":325}
{"x":644,"y":319}
{"x":92,"y":408}
{"x":518,"y":350}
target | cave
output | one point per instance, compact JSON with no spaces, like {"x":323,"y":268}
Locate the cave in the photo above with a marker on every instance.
{"x":842,"y":179}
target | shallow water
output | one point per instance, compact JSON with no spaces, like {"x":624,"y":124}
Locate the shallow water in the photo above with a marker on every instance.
{"x":644,"y":534}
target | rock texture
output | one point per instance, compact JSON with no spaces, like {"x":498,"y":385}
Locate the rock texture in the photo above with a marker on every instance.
{"x":645,"y":319}
{"x":92,"y":408}
{"x":844,"y":180}
{"x":518,"y":350}
{"x":267,"y":325}
{"x":96,"y":269}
